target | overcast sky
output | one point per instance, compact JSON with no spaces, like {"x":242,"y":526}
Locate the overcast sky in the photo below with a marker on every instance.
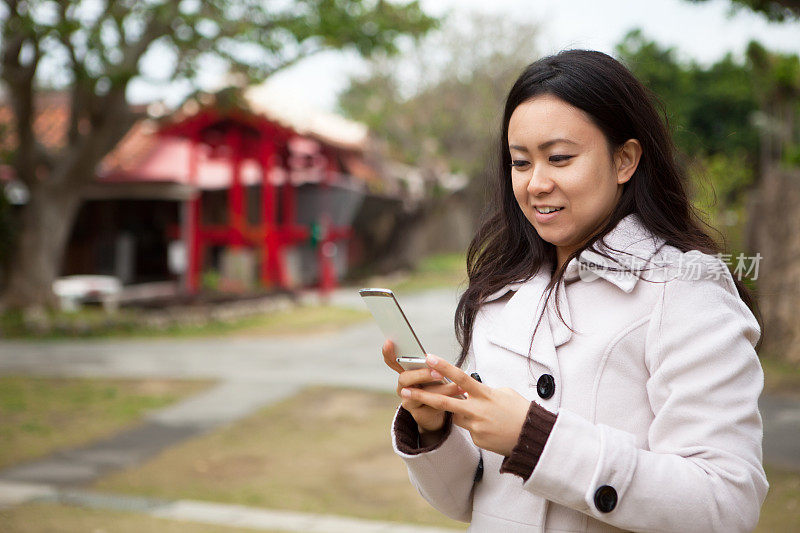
{"x":703,"y":32}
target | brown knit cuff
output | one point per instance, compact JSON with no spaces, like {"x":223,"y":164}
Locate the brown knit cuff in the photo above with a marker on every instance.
{"x":407,"y":433}
{"x":538,"y":424}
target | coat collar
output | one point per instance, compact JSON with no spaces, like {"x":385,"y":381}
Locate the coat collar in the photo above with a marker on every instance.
{"x":628,"y":245}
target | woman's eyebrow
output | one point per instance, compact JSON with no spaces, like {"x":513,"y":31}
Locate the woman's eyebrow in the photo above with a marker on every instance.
{"x":543,"y":145}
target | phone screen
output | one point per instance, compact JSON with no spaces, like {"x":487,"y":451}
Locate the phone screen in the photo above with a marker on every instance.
{"x":393,"y":322}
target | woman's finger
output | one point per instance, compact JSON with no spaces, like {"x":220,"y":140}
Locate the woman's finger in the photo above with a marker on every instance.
{"x":448,"y":389}
{"x":437,"y":401}
{"x":456,"y":375}
{"x":416,"y":377}
{"x":410,"y":405}
{"x":389,"y":357}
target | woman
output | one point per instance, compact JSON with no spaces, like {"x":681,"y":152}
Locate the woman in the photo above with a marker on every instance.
{"x":611,"y":377}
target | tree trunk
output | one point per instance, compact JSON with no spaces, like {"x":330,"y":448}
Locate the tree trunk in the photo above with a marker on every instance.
{"x":776,"y":217}
{"x":45,"y":226}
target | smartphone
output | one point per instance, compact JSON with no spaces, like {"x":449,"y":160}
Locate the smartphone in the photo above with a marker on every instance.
{"x":395,"y":326}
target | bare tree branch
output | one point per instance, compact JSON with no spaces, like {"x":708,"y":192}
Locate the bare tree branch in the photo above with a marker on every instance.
{"x":19,"y":79}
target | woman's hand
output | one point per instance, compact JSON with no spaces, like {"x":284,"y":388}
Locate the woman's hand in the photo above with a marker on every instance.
{"x":429,"y":419}
{"x":493,"y":417}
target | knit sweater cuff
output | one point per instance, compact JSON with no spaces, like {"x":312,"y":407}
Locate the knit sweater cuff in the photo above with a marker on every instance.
{"x":535,"y":431}
{"x":407,"y":433}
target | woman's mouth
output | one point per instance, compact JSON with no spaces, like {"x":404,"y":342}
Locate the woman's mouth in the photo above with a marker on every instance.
{"x":546,"y":213}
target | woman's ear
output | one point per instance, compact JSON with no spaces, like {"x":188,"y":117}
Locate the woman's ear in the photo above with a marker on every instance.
{"x":626,"y":159}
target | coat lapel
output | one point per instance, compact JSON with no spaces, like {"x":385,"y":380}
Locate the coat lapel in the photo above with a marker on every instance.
{"x":517,"y":320}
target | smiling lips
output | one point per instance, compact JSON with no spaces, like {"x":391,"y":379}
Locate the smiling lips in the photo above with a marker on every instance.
{"x":547,"y":213}
{"x":545,"y":209}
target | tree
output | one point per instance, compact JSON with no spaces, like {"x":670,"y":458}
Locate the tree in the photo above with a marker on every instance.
{"x":95,"y":48}
{"x":440,"y":104}
{"x":774,"y":207}
{"x":437,"y":108}
{"x":710,"y":112}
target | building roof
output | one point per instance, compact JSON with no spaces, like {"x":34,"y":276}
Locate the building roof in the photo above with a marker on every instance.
{"x":146,"y":156}
{"x":293,"y":112}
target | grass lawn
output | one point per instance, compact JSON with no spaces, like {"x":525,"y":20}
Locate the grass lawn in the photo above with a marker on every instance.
{"x":324,"y":450}
{"x":40,"y":415}
{"x":781,"y":510}
{"x":434,"y":272}
{"x":39,"y":517}
{"x":781,"y":377}
{"x":96,"y":324}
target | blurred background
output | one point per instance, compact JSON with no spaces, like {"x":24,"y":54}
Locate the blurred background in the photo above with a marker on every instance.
{"x":191,"y":194}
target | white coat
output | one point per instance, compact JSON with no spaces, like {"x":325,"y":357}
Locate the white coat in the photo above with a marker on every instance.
{"x":656,"y":394}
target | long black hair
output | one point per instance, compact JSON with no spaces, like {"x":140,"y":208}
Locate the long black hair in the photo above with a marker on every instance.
{"x":506,"y":246}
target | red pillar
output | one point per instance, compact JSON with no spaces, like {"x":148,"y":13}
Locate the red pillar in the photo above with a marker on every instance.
{"x":195,"y":245}
{"x":325,"y":254}
{"x":271,"y":265}
{"x":327,"y":245}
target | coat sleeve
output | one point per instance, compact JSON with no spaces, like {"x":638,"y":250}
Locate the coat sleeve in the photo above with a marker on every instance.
{"x":702,"y":470}
{"x":444,"y":475}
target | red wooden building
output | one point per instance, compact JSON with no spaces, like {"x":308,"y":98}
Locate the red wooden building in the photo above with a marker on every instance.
{"x":220,"y":187}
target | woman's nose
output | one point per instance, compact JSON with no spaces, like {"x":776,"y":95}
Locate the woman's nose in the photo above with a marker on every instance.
{"x":539,"y":182}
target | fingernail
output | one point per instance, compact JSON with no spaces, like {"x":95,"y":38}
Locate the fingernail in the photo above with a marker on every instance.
{"x":432,"y":360}
{"x":405,"y":393}
{"x":435,"y":374}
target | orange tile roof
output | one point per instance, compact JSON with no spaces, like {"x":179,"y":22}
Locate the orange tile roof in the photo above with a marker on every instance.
{"x":140,"y":142}
{"x":49,"y":123}
{"x":141,"y":155}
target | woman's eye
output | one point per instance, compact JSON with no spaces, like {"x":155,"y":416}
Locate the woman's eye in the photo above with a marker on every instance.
{"x":519,"y":163}
{"x":559,"y":158}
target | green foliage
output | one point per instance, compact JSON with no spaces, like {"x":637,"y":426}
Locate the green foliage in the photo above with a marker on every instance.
{"x":775,"y":10}
{"x":210,"y":280}
{"x":720,"y":183}
{"x":709,"y":110}
{"x":100,"y":43}
{"x":791,"y":155}
{"x":776,"y":76}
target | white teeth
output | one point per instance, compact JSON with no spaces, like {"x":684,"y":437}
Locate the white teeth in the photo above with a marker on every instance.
{"x":545,"y":210}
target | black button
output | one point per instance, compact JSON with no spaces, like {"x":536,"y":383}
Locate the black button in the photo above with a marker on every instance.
{"x":476,"y":377}
{"x":546,"y":386}
{"x":479,"y":471}
{"x":605,"y":499}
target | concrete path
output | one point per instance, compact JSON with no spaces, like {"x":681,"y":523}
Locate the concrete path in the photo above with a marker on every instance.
{"x":781,"y":431}
{"x":253,"y":372}
{"x":205,"y":512}
{"x":350,"y":357}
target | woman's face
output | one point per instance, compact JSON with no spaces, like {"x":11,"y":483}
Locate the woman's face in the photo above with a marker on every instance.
{"x":561,"y":159}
